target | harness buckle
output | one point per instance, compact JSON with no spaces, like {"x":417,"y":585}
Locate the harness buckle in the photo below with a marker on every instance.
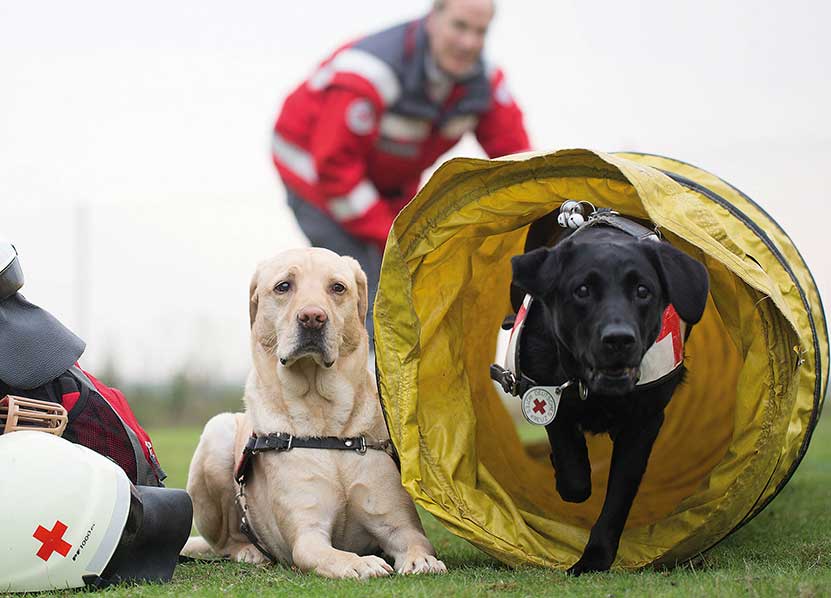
{"x":288,"y":446}
{"x":362,"y":447}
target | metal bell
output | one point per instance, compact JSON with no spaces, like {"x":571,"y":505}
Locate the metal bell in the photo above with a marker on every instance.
{"x":576,"y":220}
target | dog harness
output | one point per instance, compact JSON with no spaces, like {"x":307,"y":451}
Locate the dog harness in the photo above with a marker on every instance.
{"x":661,"y":360}
{"x":282,"y":442}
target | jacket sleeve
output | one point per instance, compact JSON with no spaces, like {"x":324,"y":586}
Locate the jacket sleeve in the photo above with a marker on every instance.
{"x":340,"y":144}
{"x":500,"y":130}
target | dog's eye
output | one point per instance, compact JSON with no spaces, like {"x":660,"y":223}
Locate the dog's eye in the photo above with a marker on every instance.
{"x":338,"y":288}
{"x":282,"y":287}
{"x":643,"y":292}
{"x":582,"y":291}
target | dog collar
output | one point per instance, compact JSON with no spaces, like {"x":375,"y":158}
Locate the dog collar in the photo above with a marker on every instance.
{"x":540,"y":403}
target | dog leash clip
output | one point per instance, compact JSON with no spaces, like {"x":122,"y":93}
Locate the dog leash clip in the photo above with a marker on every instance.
{"x":504,"y":377}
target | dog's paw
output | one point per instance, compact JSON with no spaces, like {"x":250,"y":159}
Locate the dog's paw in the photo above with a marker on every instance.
{"x":250,"y":554}
{"x":579,"y":568}
{"x":355,"y":567}
{"x":421,"y":563}
{"x":595,"y":558}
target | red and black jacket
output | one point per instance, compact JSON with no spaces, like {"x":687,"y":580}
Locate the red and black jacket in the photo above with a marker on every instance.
{"x":356,"y":136}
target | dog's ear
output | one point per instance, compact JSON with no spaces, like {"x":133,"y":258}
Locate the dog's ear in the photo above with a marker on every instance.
{"x":533,"y":272}
{"x":360,"y":280}
{"x":685,"y":279}
{"x":253,"y":300}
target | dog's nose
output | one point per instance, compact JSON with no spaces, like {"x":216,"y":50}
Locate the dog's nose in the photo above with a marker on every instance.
{"x":312,"y":317}
{"x":617,"y":338}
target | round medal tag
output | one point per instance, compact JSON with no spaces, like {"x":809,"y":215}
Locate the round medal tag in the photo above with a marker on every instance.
{"x":539,"y":405}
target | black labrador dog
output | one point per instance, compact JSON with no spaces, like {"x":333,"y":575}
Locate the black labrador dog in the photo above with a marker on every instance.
{"x":598,"y":300}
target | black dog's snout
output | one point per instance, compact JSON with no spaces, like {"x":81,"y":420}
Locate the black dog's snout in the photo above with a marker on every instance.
{"x":618,"y":338}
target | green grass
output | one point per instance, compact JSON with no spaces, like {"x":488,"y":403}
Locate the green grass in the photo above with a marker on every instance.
{"x":785,"y":551}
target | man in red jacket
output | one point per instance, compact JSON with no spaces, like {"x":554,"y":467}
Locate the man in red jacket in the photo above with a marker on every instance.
{"x":352,"y":141}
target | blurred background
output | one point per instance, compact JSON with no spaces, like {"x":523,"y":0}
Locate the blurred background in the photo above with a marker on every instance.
{"x":137,"y":185}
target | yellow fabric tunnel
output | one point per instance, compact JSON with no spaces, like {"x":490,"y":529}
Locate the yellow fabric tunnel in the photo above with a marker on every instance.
{"x":735,"y":430}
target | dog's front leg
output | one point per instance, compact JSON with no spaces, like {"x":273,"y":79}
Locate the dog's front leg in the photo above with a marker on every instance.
{"x":379,"y":505}
{"x":307,"y":514}
{"x":312,"y":550}
{"x":389,"y":515}
{"x":570,"y":458}
{"x":403,"y":539}
{"x":630,"y":455}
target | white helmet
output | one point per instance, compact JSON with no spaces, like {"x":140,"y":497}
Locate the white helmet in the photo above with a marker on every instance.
{"x":72,"y":518}
{"x":11,"y":274}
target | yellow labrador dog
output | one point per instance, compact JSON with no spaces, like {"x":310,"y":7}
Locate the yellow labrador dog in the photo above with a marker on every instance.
{"x":321,"y":510}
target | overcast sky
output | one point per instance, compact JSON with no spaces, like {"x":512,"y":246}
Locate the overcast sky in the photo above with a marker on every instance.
{"x":137,"y":134}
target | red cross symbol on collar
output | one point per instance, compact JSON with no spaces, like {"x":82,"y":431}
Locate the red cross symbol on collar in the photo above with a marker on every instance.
{"x":539,"y":406}
{"x":52,"y":540}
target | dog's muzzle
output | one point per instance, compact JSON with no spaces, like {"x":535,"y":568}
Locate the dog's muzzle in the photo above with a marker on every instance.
{"x":312,"y":327}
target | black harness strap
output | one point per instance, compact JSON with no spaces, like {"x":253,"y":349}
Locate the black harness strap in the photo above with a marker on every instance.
{"x":280,"y":441}
{"x":611,"y":218}
{"x":245,"y":528}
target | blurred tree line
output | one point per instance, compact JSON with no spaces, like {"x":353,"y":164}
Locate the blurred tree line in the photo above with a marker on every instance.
{"x":186,"y":399}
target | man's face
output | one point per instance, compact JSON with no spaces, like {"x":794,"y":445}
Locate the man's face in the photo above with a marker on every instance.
{"x":457,"y":34}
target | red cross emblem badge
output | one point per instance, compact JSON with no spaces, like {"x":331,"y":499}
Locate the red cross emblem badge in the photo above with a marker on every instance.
{"x":52,"y":540}
{"x":539,"y":404}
